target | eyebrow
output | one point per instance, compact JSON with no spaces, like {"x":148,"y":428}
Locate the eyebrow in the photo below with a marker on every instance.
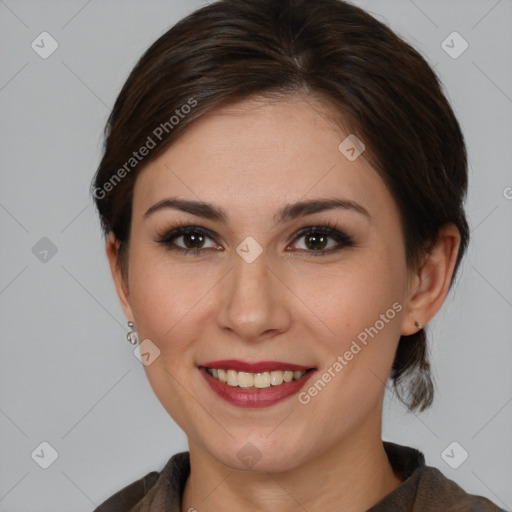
{"x":289,"y":212}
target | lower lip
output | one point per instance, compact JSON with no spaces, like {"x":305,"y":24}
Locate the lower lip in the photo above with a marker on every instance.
{"x":256,"y":397}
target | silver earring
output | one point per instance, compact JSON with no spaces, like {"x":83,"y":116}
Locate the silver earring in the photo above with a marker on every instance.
{"x":418,"y":325}
{"x":132,"y":336}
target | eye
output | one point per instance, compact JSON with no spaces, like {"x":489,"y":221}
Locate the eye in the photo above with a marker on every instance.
{"x":187,"y":239}
{"x":316,"y":240}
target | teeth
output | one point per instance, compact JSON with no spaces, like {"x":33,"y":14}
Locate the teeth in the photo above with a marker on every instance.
{"x":276,"y":378}
{"x":232,"y":378}
{"x":245,"y":380}
{"x":258,"y":380}
{"x":262,"y":380}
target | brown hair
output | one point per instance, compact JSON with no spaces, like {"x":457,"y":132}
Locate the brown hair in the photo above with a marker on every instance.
{"x":376,"y":82}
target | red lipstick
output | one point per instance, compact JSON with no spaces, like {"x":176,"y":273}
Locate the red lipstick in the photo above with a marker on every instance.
{"x":253,"y":396}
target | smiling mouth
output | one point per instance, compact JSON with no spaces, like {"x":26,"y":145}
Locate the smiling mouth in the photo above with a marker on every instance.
{"x":259,"y":380}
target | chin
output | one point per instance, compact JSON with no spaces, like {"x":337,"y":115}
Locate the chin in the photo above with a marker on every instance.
{"x":265,"y":455}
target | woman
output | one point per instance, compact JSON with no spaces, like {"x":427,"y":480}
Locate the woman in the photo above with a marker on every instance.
{"x":282,"y":194}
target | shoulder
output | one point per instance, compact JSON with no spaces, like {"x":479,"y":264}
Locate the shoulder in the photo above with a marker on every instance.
{"x":152,"y":489}
{"x":425,"y":488}
{"x":435,"y":489}
{"x":129,"y":496}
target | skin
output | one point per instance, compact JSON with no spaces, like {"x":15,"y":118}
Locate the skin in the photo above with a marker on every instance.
{"x":251,"y":159}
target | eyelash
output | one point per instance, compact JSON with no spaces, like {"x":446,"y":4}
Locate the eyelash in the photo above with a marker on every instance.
{"x":327,"y":230}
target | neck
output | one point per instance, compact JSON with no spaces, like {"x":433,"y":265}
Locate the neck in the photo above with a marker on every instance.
{"x":352,"y":477}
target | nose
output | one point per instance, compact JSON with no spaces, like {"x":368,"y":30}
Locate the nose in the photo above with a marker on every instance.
{"x":254,"y":303}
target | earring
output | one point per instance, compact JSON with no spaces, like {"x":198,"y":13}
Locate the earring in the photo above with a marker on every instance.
{"x":418,"y":325}
{"x":132,"y":336}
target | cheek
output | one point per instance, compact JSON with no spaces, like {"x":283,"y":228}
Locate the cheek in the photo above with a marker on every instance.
{"x":351,"y":295}
{"x":161,"y":295}
{"x":362,"y":307}
{"x":164,"y":299}
{"x":361,"y":303}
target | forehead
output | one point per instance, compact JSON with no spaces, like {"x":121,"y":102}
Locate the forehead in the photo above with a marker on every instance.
{"x":261,"y":153}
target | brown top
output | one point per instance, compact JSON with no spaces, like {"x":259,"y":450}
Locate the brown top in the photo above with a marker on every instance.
{"x":424,"y":488}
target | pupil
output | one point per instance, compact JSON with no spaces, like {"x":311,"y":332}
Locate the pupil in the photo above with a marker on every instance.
{"x":316,"y":239}
{"x":194,"y":238}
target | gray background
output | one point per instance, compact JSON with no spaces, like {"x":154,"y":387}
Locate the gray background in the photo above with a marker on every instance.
{"x":68,"y":375}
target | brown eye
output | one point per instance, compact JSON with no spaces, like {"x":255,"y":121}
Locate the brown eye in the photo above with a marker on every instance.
{"x":320,"y":240}
{"x":187,"y":239}
{"x":316,"y":241}
{"x":193,"y":240}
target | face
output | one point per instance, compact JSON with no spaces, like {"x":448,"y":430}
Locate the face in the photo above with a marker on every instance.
{"x":321,"y":287}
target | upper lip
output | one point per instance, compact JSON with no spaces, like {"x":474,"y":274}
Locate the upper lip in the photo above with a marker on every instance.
{"x":257,"y":367}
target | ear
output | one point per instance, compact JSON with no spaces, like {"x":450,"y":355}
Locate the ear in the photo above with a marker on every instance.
{"x":430,"y":284}
{"x":112,"y":250}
